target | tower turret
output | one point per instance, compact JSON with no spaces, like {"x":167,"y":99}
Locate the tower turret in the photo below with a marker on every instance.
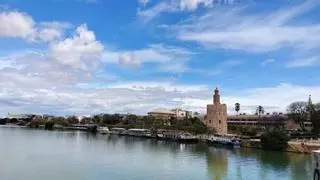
{"x":216,"y":97}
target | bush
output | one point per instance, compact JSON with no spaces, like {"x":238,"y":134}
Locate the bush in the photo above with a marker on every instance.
{"x":274,"y":139}
{"x":36,"y":123}
{"x":49,"y":125}
{"x":3,"y":121}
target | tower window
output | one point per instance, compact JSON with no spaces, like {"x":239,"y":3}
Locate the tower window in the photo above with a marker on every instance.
{"x":219,"y":121}
{"x":209,"y":121}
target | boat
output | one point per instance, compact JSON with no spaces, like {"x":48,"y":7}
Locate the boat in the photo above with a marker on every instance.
{"x":187,"y":138}
{"x":140,"y":132}
{"x":103,"y":130}
{"x":179,"y":136}
{"x":228,"y":140}
{"x":119,"y":131}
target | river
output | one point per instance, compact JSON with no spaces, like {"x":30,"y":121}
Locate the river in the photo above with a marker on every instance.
{"x":27,"y":154}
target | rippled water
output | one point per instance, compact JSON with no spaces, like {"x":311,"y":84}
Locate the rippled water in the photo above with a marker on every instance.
{"x":52,"y":155}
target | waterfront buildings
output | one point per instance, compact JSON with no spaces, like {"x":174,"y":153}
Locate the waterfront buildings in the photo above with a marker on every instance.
{"x":161,"y":114}
{"x":216,"y":118}
{"x":164,"y":114}
{"x":256,"y":121}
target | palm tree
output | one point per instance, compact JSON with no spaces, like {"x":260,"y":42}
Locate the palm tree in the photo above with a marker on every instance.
{"x":260,"y":110}
{"x":237,"y":107}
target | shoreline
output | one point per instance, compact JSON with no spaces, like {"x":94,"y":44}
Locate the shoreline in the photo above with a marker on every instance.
{"x":305,"y":147}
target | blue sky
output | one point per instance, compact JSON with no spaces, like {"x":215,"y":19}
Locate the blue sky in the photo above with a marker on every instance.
{"x":92,"y":56}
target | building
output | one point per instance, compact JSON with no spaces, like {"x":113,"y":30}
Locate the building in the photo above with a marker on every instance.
{"x":165,"y":114}
{"x":179,"y":113}
{"x":256,"y":121}
{"x":216,"y":118}
{"x":162,"y":114}
{"x":265,"y":122}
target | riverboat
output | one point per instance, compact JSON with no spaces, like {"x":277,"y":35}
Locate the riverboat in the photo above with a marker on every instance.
{"x":118,"y":131}
{"x":140,"y":133}
{"x":179,"y":136}
{"x":228,"y":140}
{"x":103,"y":130}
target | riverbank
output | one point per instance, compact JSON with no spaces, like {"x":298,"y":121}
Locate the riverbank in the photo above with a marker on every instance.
{"x":294,"y":146}
{"x":305,"y":146}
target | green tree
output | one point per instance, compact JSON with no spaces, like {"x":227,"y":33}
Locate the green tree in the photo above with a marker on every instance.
{"x":274,"y":139}
{"x":237,"y":107}
{"x":96,"y":119}
{"x":260,"y":110}
{"x":72,"y":120}
{"x":298,"y":111}
{"x":49,"y":125}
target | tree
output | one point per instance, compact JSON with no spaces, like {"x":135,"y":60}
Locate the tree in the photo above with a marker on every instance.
{"x":72,"y":120}
{"x":315,"y":118}
{"x":274,"y":139}
{"x":49,"y":125}
{"x":237,"y":107}
{"x":260,"y":110}
{"x":96,"y":119}
{"x":3,"y":121}
{"x":298,"y":112}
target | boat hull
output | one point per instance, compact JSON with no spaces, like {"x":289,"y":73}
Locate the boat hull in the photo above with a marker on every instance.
{"x":224,"y":144}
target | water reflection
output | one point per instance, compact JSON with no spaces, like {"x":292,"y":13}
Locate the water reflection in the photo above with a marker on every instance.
{"x":217,"y":162}
{"x":112,"y":154}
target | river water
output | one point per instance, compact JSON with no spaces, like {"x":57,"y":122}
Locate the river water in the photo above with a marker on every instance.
{"x":27,"y":154}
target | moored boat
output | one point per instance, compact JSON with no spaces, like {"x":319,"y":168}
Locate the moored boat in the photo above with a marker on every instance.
{"x":119,"y":131}
{"x":103,"y":130}
{"x":187,"y":137}
{"x":179,"y":136}
{"x":227,"y":140}
{"x":140,"y":132}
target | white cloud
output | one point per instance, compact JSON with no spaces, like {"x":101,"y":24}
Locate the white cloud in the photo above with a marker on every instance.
{"x":161,"y":54}
{"x":235,"y":29}
{"x":128,"y":59}
{"x":267,"y":61}
{"x":149,"y":14}
{"x":305,"y":62}
{"x":16,"y":24}
{"x":81,"y":51}
{"x":21,"y":25}
{"x":23,"y":93}
{"x":191,"y":5}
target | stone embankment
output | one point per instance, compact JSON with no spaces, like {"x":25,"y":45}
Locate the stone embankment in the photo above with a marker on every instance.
{"x":296,"y":146}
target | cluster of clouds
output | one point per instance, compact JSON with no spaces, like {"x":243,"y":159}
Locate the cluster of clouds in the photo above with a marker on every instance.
{"x":52,"y":79}
{"x":21,"y":25}
{"x":235,"y":29}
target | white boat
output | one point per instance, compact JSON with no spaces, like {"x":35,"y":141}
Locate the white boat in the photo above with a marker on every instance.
{"x":119,"y":131}
{"x":177,"y":136}
{"x":139,"y":132}
{"x":229,"y":140}
{"x":103,"y":130}
{"x":187,"y":137}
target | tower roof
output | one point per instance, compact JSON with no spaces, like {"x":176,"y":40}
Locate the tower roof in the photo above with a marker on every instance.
{"x":216,"y":90}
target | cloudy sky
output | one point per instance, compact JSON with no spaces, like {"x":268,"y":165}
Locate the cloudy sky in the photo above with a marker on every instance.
{"x":91,"y":56}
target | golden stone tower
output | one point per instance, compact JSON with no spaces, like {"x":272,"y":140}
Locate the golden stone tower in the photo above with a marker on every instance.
{"x":217,"y":115}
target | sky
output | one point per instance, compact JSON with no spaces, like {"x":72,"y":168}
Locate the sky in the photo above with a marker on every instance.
{"x":82,"y":57}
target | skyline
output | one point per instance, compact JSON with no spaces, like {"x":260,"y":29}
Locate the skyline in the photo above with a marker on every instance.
{"x":136,"y":56}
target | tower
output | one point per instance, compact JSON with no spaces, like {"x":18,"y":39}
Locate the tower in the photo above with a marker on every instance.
{"x":216,"y":97}
{"x":216,"y":118}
